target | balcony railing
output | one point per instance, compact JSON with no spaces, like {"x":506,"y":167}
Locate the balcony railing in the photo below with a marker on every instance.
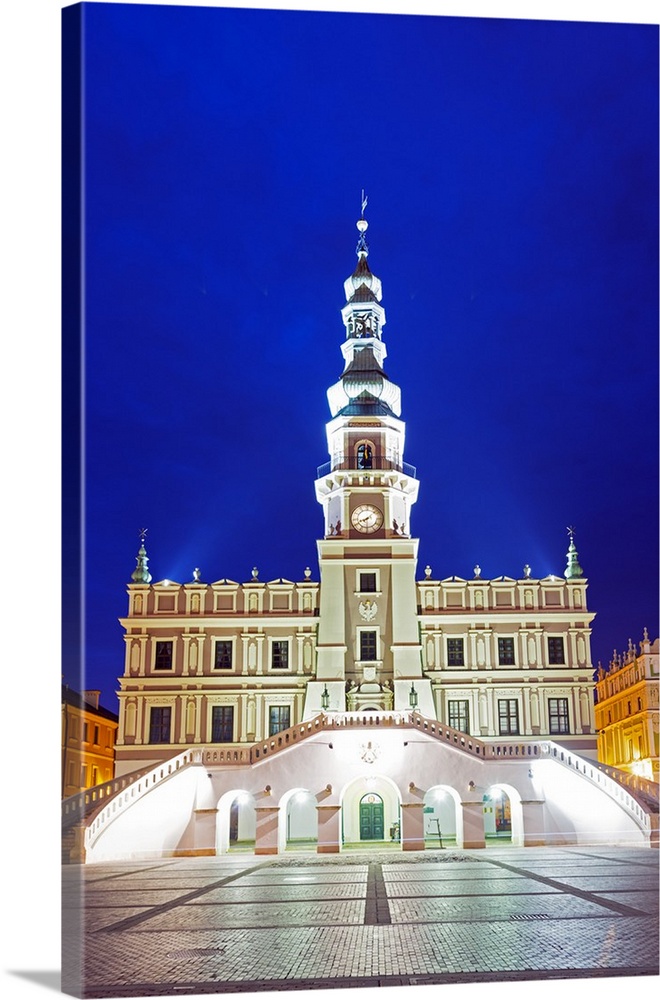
{"x":377,"y":463}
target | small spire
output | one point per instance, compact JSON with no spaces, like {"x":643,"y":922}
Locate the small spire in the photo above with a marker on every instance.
{"x":573,"y":569}
{"x":362,"y":250}
{"x":141,"y":572}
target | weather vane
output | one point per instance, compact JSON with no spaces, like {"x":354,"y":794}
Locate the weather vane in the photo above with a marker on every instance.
{"x":143,"y":533}
{"x":364,"y":202}
{"x":571,"y":532}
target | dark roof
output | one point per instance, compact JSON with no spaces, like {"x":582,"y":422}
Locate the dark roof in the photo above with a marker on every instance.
{"x":363,"y":294}
{"x":365,"y":405}
{"x":71,"y":697}
{"x":365,"y":361}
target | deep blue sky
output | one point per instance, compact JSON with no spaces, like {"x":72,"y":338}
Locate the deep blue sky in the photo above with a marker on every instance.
{"x":511,"y":170}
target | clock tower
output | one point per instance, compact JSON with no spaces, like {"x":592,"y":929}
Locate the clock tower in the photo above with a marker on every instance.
{"x":369,"y":654}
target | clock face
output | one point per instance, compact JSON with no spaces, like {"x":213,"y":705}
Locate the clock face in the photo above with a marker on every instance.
{"x":367,"y":518}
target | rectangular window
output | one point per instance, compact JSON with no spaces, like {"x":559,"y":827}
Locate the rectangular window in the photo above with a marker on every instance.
{"x":83,"y":776}
{"x":279,"y":719}
{"x":459,"y":716}
{"x":222,"y":724}
{"x":163,"y":659}
{"x":555,"y":649}
{"x":85,"y":732}
{"x":455,"y":656}
{"x":96,"y":737}
{"x":280,"y":654}
{"x":223,"y":654}
{"x":558,"y":715}
{"x":368,"y":583}
{"x":368,"y":645}
{"x":507,"y":709}
{"x":159,"y":725}
{"x":505,"y":652}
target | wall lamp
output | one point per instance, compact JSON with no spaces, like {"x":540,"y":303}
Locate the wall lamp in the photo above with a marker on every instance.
{"x":413,"y":697}
{"x":325,"y":698}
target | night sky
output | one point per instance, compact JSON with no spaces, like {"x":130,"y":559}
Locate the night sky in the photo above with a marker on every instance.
{"x":511,"y":174}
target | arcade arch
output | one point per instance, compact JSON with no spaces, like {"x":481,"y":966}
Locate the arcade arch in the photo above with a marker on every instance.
{"x":370,"y":811}
{"x":236,"y":820}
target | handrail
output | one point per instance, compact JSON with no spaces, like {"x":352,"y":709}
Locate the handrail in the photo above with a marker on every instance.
{"x":101,"y":804}
{"x":379,"y":463}
{"x":76,"y":807}
{"x":137,"y":789}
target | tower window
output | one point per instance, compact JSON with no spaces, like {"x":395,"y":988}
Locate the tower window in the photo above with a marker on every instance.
{"x":280,"y":654}
{"x":163,"y":660}
{"x":507,"y":709}
{"x":459,"y":716}
{"x":222,"y":724}
{"x":159,"y":725}
{"x":556,"y":649}
{"x":455,"y":655}
{"x":365,"y":456}
{"x":279,"y":719}
{"x":223,"y":655}
{"x":558,"y":715}
{"x":368,"y":583}
{"x":368,"y":645}
{"x":505,"y":652}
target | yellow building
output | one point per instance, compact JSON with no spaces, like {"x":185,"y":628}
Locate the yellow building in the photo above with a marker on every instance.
{"x":89,"y":732}
{"x":627,"y":710}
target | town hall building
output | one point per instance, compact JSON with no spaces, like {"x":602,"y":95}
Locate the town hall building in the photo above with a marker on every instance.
{"x":368,"y":702}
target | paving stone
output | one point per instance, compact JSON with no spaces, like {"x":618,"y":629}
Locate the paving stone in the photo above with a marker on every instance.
{"x":369,"y":918}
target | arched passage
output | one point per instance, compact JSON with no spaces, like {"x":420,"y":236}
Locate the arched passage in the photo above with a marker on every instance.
{"x":236,"y":821}
{"x":442,"y":816}
{"x":503,"y":818}
{"x":370,"y":812}
{"x":298,"y":820}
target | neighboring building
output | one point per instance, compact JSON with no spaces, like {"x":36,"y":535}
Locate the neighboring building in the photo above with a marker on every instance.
{"x":233,"y":663}
{"x":627,"y":710}
{"x":89,"y":732}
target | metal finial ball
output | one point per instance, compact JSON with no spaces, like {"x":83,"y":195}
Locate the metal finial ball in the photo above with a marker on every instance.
{"x":362,"y":225}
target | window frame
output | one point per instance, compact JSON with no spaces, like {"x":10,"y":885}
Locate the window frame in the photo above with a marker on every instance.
{"x":227,"y":724}
{"x":558,"y":715}
{"x":284,"y":710}
{"x":227,"y":643}
{"x":510,"y":716}
{"x":163,"y":726}
{"x":452,"y":714}
{"x":504,"y":661}
{"x":157,"y":644}
{"x":283,"y":645}
{"x":451,"y":657}
{"x":554,"y":642}
{"x":362,"y":635}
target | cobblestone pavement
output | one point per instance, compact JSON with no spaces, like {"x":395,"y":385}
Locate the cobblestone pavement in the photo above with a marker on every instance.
{"x":244,"y":924}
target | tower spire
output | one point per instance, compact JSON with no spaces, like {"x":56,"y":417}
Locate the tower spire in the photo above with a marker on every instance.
{"x":362,"y":250}
{"x":573,"y":569}
{"x":141,"y":572}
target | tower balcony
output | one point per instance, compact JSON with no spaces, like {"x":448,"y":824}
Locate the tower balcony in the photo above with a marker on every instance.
{"x":377,"y":463}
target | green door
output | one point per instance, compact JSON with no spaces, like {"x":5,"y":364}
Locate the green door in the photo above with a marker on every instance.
{"x":372,"y":826}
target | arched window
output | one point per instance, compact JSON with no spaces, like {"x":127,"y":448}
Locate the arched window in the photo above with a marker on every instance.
{"x":365,"y":455}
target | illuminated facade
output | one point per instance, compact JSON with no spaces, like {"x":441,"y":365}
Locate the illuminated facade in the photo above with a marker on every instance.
{"x":627,"y":710}
{"x":88,"y":741}
{"x":233,"y":663}
{"x":372,"y":707}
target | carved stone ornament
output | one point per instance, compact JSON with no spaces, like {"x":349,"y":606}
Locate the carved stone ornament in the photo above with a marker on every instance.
{"x":368,"y":610}
{"x":369,"y":752}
